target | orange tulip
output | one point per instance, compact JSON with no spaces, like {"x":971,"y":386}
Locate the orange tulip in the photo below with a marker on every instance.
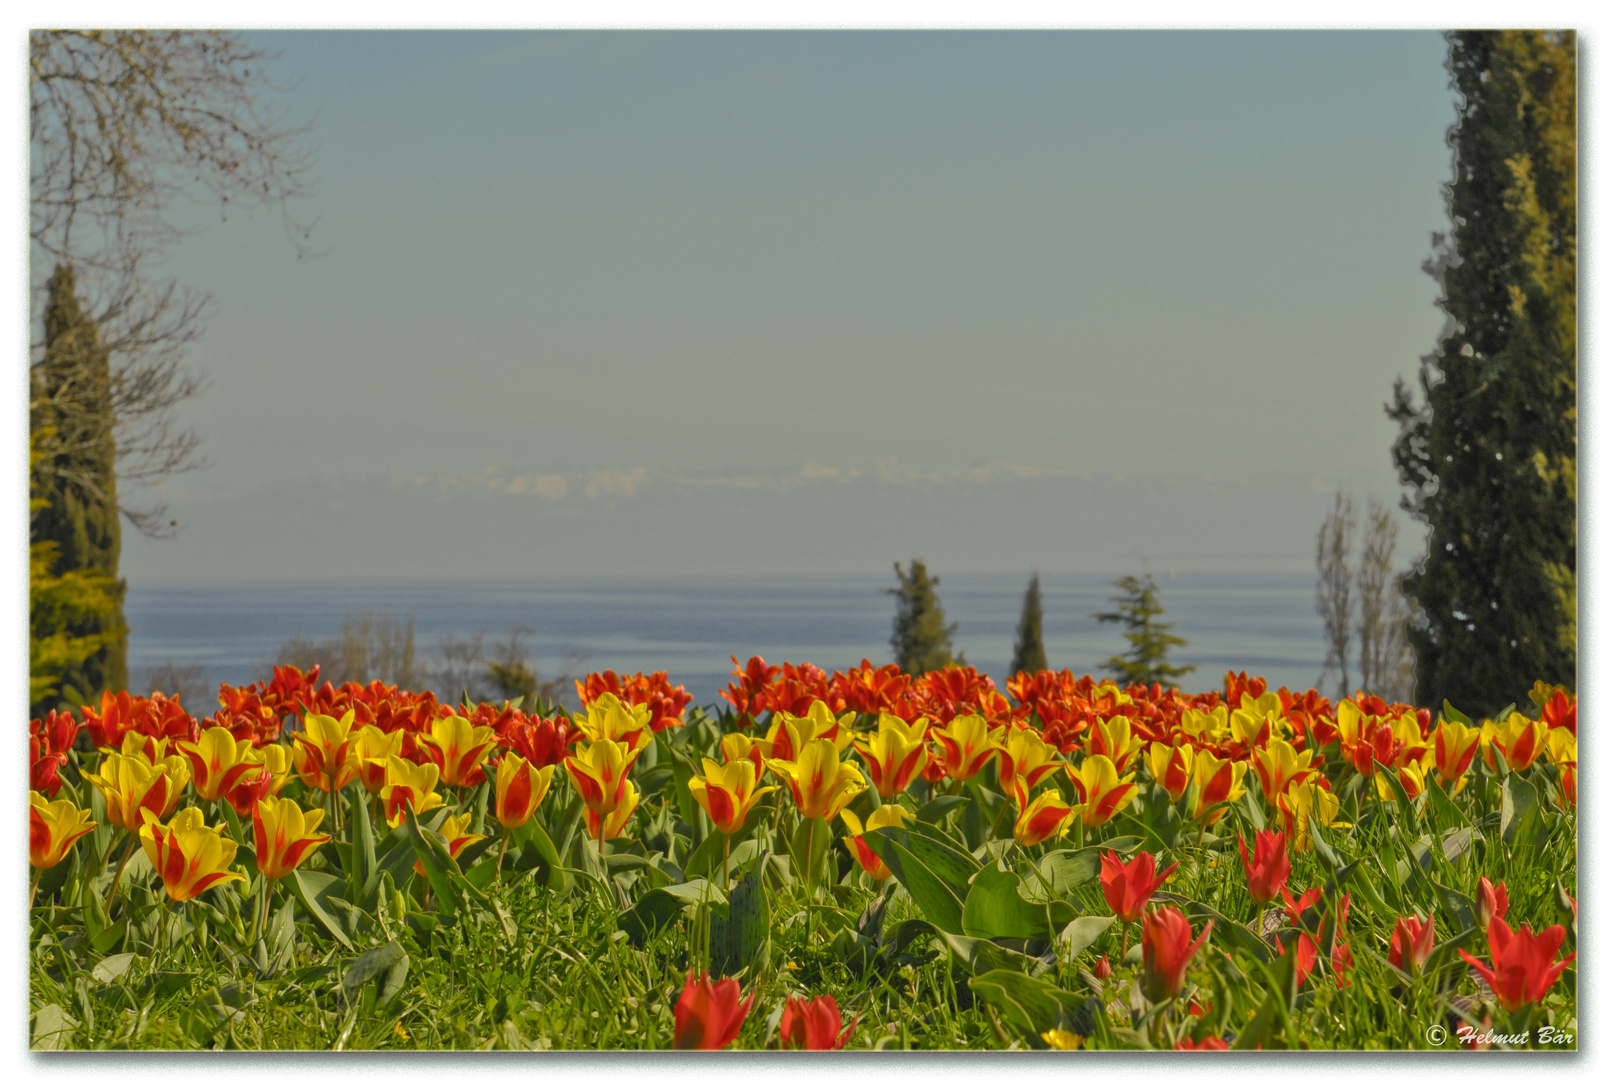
{"x":190,"y":857}
{"x":726,"y":793}
{"x":1266,"y":871}
{"x":53,"y":828}
{"x":1128,"y":887}
{"x":284,"y":835}
{"x":813,"y":1025}
{"x":894,"y":754}
{"x":709,"y":1015}
{"x":520,"y":788}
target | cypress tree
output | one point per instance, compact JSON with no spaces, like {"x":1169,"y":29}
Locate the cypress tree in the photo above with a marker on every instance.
{"x":1029,"y":655}
{"x":1136,"y":607}
{"x":78,"y":487}
{"x":920,"y":640}
{"x":1488,"y":459}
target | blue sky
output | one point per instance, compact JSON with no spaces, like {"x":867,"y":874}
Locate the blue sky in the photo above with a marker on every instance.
{"x":661,"y":302}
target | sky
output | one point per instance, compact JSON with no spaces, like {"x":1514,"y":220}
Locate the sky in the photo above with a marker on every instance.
{"x":600,"y":303}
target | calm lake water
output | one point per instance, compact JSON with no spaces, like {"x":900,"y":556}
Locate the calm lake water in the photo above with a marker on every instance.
{"x":1265,"y":622}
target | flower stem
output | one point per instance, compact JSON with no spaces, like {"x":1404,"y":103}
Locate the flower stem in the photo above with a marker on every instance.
{"x":128,"y":850}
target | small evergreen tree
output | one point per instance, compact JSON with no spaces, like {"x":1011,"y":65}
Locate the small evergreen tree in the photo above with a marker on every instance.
{"x":76,"y":473}
{"x":921,"y":642}
{"x":1136,"y":608}
{"x":1029,"y":655}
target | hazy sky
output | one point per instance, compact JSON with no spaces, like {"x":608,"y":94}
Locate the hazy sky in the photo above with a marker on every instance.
{"x":600,"y":303}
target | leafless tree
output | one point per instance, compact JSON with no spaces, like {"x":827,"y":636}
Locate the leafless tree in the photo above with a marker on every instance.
{"x":1334,"y":575}
{"x":187,"y":682}
{"x":1387,"y":664}
{"x":370,"y":645}
{"x":125,"y":127}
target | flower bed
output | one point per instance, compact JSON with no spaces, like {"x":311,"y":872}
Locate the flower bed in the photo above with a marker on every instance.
{"x":858,"y":859}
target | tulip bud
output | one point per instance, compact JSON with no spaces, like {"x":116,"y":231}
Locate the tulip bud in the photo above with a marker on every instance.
{"x":1490,"y":903}
{"x":1102,"y":969}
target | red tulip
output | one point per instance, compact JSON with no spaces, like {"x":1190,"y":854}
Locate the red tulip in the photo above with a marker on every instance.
{"x":1127,"y":888}
{"x":1168,"y":946}
{"x":1522,"y":971}
{"x":709,"y":1015}
{"x":1411,"y":944}
{"x":814,"y":1025}
{"x":1490,"y":904}
{"x":1209,"y":1042}
{"x":1267,"y":870}
{"x":1304,"y":958}
{"x":1102,"y":969}
{"x":1295,"y":908}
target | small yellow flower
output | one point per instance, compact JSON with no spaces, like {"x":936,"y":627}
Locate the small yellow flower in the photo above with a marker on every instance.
{"x":1060,"y":1039}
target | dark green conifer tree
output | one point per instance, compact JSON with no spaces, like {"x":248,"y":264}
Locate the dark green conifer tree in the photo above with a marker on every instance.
{"x":921,"y":642}
{"x":74,"y":418}
{"x":1137,"y":607}
{"x":1029,"y":655}
{"x":1488,"y":458}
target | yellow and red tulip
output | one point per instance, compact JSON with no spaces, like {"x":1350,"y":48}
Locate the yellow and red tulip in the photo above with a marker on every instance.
{"x":131,"y":785}
{"x":409,"y":785}
{"x":1113,"y":739}
{"x":1026,"y":756}
{"x":372,"y":747}
{"x":895,"y":753}
{"x":609,"y":718}
{"x":887,"y":814}
{"x":454,"y":830}
{"x":1216,"y":781}
{"x":789,"y":734}
{"x":738,"y":747}
{"x":965,"y":745}
{"x":458,"y":747}
{"x":53,"y":828}
{"x":1171,"y":767}
{"x":1103,"y":791}
{"x":611,"y":824}
{"x":323,"y":754}
{"x":1300,"y":803}
{"x":1454,"y":746}
{"x":190,"y":857}
{"x":520,"y":788}
{"x":727,"y":792}
{"x":599,"y":770}
{"x":1041,"y":818}
{"x":218,"y":761}
{"x":1519,"y":740}
{"x":1279,"y":767}
{"x":284,"y":834}
{"x":822,"y":784}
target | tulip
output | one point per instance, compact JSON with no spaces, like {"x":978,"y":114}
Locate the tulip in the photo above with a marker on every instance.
{"x":1128,"y":887}
{"x":53,"y":828}
{"x":1209,"y":1042}
{"x":1171,"y":767}
{"x":813,"y":1025}
{"x":1411,"y":944}
{"x":1411,"y":778}
{"x":726,"y":793}
{"x":966,"y":746}
{"x":1042,"y":818}
{"x":454,"y":830}
{"x":609,"y":718}
{"x":1267,"y":871}
{"x":1206,"y":727}
{"x":1454,"y":746}
{"x":738,"y":747}
{"x":1295,"y":907}
{"x":1254,"y":726}
{"x":409,"y":785}
{"x":130,"y":785}
{"x":607,"y":826}
{"x":1568,"y":784}
{"x":323,"y":751}
{"x":709,"y":1015}
{"x":1304,"y":957}
{"x":821,"y":783}
{"x":887,"y":814}
{"x":1168,"y":946}
{"x":1299,"y":804}
{"x":190,"y":857}
{"x":458,"y":747}
{"x":284,"y":835}
{"x":1025,"y":755}
{"x":541,"y":741}
{"x":373,"y":747}
{"x":1113,"y":739}
{"x":894,"y":754}
{"x":1519,"y":740}
{"x":1217,"y":781}
{"x":219,"y":761}
{"x":1279,"y":768}
{"x":789,"y":734}
{"x":1102,"y":969}
{"x":1520,"y":971}
{"x":598,"y":770}
{"x":520,"y":788}
{"x":1490,"y":903}
{"x":1104,"y":792}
